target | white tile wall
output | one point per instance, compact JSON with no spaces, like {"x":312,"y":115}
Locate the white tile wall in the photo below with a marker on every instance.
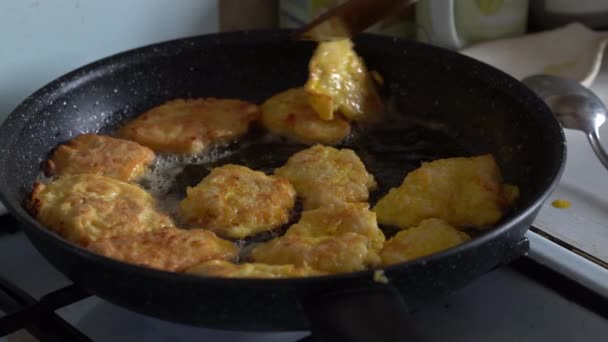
{"x":43,"y":39}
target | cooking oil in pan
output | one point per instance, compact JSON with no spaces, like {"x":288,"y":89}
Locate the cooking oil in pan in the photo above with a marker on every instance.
{"x":389,"y":150}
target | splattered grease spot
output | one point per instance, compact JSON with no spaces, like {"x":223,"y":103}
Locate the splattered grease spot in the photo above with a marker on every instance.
{"x":380,"y":277}
{"x":561,"y":204}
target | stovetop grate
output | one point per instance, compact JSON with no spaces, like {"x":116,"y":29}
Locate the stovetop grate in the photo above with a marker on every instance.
{"x":38,"y":317}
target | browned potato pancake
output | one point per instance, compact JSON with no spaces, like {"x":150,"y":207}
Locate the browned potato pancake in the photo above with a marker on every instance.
{"x":465,"y":192}
{"x":337,"y":238}
{"x":323,"y":175}
{"x":431,"y":236}
{"x":100,"y":155}
{"x":290,"y":115}
{"x":340,"y":219}
{"x":191,"y":125}
{"x":511,"y":193}
{"x":169,"y":249}
{"x":348,"y":252}
{"x":235,"y":201}
{"x":220,"y":268}
{"x":338,"y":81}
{"x":85,"y":208}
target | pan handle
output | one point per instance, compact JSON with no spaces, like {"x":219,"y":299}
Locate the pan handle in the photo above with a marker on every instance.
{"x":376,"y":313}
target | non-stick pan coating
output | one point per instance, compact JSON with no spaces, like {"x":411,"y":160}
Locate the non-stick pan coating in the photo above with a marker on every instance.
{"x":480,"y":108}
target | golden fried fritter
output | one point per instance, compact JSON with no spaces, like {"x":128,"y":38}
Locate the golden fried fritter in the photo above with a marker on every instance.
{"x":190,"y":126}
{"x":169,"y":249}
{"x":462,"y":191}
{"x":335,"y":238}
{"x":323,"y":175}
{"x":340,"y":218}
{"x":511,"y":193}
{"x":289,"y":114}
{"x":235,"y":201}
{"x":84,"y":208}
{"x":219,"y":268}
{"x":431,"y":236}
{"x":338,"y":81}
{"x":101,"y":155}
{"x":345,"y":253}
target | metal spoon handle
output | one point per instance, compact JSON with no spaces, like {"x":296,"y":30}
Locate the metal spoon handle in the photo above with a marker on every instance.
{"x":575,"y":106}
{"x":596,"y":145}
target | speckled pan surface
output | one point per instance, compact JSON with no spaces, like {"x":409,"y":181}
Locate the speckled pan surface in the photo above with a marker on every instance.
{"x":481,"y":108}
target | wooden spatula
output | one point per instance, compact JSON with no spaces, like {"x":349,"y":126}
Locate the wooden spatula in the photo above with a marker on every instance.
{"x":350,"y":18}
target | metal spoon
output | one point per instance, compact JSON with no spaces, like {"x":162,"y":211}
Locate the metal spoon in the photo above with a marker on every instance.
{"x":575,"y":106}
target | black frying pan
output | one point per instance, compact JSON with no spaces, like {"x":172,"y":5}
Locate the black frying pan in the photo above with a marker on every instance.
{"x":449,"y":104}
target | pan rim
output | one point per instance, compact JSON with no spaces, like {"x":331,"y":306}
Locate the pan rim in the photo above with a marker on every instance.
{"x":89,"y":71}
